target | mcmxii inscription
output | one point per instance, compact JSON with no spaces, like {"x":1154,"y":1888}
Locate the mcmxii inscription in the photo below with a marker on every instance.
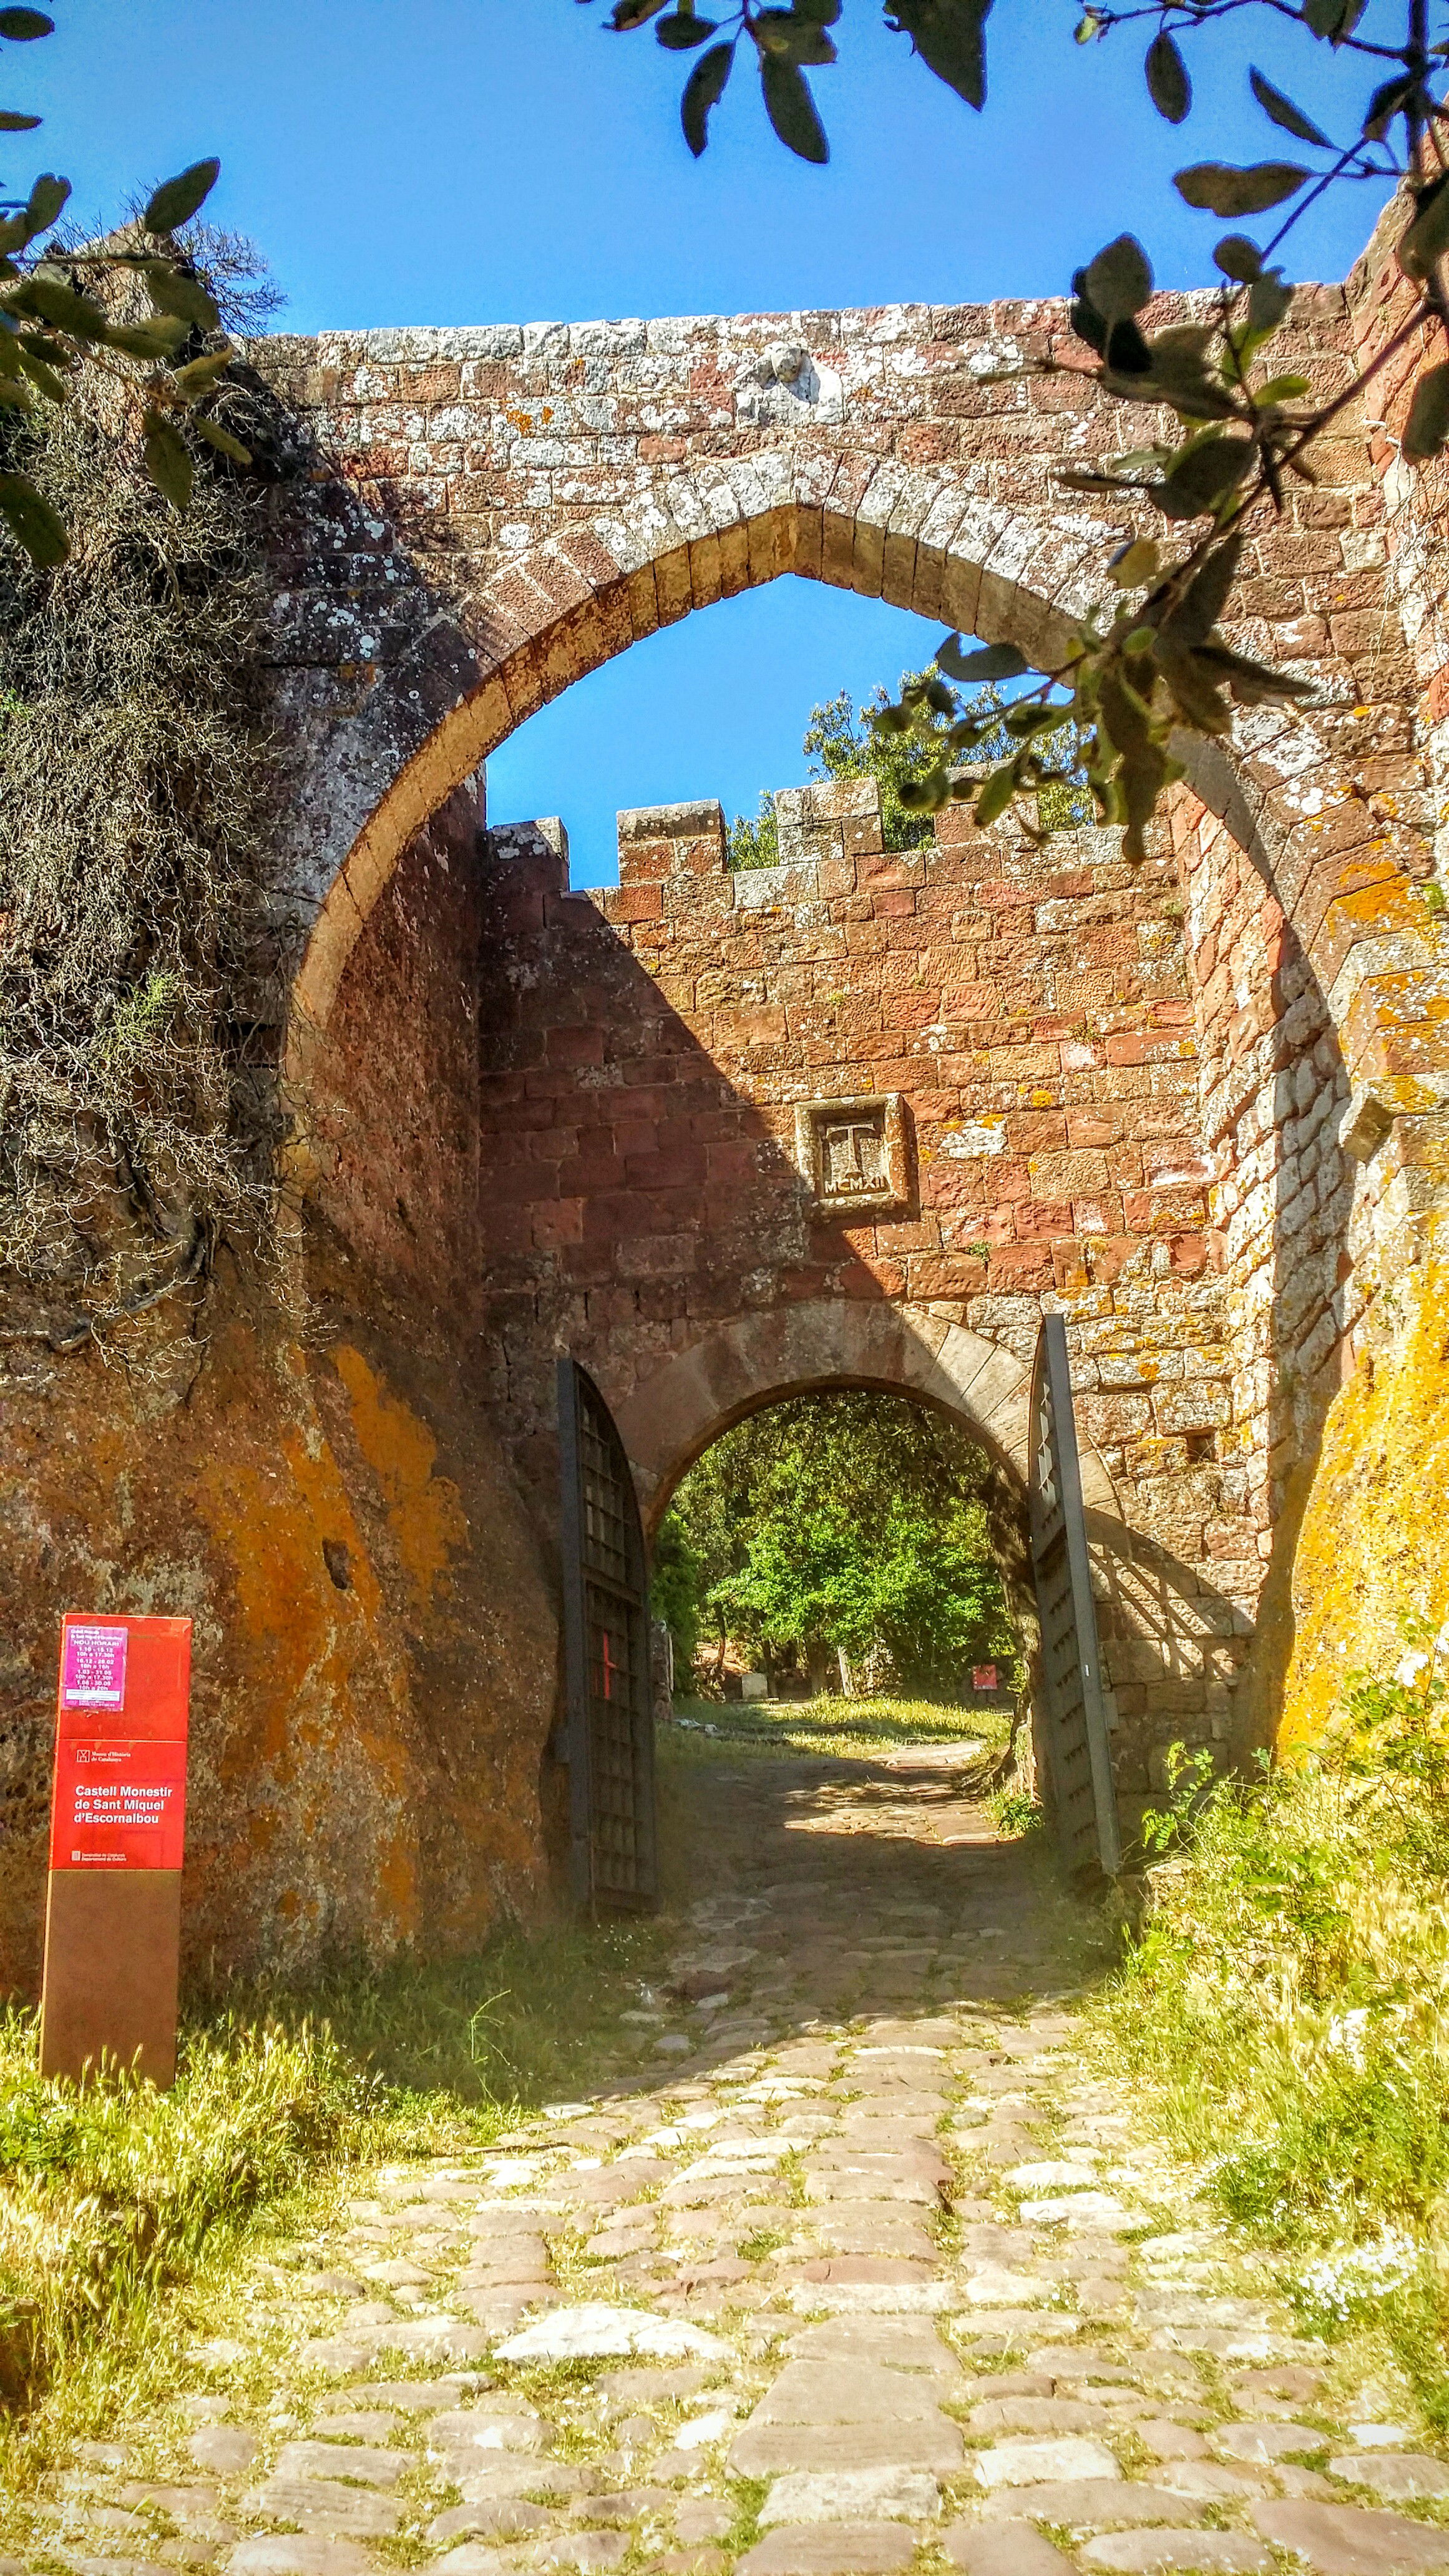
{"x":852,"y":1153}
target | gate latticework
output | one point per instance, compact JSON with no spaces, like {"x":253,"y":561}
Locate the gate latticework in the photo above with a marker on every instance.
{"x":606,"y":1655}
{"x":1076,"y":1718}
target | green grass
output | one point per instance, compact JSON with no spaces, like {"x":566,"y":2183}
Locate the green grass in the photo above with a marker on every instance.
{"x":123,"y":2210}
{"x":863,"y":1729}
{"x":1283,"y":2016}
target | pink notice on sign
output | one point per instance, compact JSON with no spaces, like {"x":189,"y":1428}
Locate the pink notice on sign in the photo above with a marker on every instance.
{"x":93,"y":1674}
{"x":983,"y":1677}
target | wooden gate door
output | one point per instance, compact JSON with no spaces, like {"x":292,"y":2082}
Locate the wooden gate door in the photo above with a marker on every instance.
{"x":1076,"y":1719}
{"x":610,"y":1721}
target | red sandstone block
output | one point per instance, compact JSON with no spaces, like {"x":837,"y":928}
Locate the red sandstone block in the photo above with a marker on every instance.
{"x":977,"y":1229}
{"x":870,"y":1277}
{"x":953,"y":1185}
{"x":906,"y":1236}
{"x":516,"y":911}
{"x":1108,"y":1256}
{"x":892,"y":902}
{"x":1019,"y":1266}
{"x":877,"y":869}
{"x":1036,"y":1131}
{"x":670,"y":1167}
{"x":1044,"y":1216}
{"x":562,"y":1221}
{"x":1095,"y":1128}
{"x":633,"y":902}
{"x":575,"y":1046}
{"x":945,"y":1274}
{"x":1128,"y":1050}
{"x":1163,"y":1211}
{"x":1188,"y":1254}
{"x":618,"y":1215}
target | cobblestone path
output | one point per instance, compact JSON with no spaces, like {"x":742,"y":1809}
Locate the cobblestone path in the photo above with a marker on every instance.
{"x":874,"y":2273}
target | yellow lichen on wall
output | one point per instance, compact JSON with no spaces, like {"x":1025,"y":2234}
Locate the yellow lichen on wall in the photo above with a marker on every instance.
{"x":1373,"y":1554}
{"x":425,"y":1511}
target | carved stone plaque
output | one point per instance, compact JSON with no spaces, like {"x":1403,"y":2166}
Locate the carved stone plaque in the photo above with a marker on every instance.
{"x":853,"y":1153}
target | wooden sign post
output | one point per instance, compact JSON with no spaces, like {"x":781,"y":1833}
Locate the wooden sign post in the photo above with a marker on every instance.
{"x":118,"y":1825}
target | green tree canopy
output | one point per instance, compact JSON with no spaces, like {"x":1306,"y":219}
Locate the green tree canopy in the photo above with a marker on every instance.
{"x":842,"y":741}
{"x":847,"y":1520}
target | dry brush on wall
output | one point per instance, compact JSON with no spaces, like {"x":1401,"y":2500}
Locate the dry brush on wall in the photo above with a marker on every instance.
{"x":277,"y":1447}
{"x":140,"y":916}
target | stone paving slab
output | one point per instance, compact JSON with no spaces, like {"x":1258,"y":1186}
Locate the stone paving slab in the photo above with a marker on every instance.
{"x":1348,"y":2540}
{"x":830,"y":2549}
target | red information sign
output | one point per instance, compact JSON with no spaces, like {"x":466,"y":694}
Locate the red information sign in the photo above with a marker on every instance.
{"x":983,"y":1677}
{"x":120,"y":1752}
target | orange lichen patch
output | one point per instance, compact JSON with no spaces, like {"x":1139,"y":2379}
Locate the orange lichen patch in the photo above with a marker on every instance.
{"x":1374,"y":1550}
{"x":285,"y":1624}
{"x":425,"y":1511}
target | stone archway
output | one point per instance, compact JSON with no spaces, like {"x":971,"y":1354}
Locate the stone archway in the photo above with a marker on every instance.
{"x":674,"y":1411}
{"x":516,"y":504}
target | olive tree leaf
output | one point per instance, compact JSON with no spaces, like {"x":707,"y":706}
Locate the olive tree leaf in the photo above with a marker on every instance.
{"x":679,"y":34}
{"x":22,"y":26}
{"x":1221,"y":190}
{"x":702,"y":91}
{"x":47,"y":299}
{"x":168,"y":460}
{"x":203,"y":374}
{"x":992,"y":662}
{"x":172,"y":291}
{"x":1335,"y":19}
{"x":1427,"y":238}
{"x":160,"y":337}
{"x":1180,"y":374}
{"x":1146,"y":769}
{"x":628,"y":14}
{"x":1284,"y":113}
{"x":950,"y":37}
{"x":1168,"y":85}
{"x":32,"y":521}
{"x":11,"y":122}
{"x":1269,"y":297}
{"x":47,"y":197}
{"x":996,"y":794}
{"x":1206,"y":596}
{"x":1118,"y":281}
{"x":1194,"y":685}
{"x":1239,"y":258}
{"x":44,"y":378}
{"x":174,"y":203}
{"x":1427,"y":426}
{"x":1389,"y":100}
{"x":793,"y":38}
{"x":1203,"y":475}
{"x":222,"y":439}
{"x":791,"y":109}
{"x":1253,"y":684}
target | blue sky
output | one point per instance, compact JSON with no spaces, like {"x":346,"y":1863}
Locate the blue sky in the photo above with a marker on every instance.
{"x":507,"y":160}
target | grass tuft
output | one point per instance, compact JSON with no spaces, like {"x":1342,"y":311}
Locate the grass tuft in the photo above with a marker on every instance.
{"x":1284,"y":2008}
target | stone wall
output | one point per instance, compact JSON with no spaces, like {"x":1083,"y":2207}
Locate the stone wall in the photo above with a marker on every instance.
{"x":646,"y":1055}
{"x":300,"y":1465}
{"x":1204,"y":1112}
